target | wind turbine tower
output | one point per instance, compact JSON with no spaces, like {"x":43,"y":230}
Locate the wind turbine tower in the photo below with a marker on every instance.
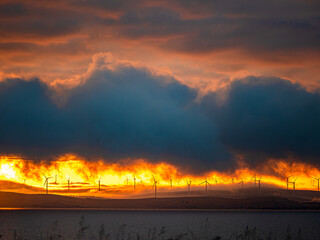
{"x":318,"y":182}
{"x":259,"y":181}
{"x":294,"y":185}
{"x":255,"y":182}
{"x":99,"y":181}
{"x":134,"y":182}
{"x":155,"y":182}
{"x":288,"y":182}
{"x":189,"y":185}
{"x":68,"y":183}
{"x":254,"y":178}
{"x":46,"y":182}
{"x":241,"y":186}
{"x":206,"y":185}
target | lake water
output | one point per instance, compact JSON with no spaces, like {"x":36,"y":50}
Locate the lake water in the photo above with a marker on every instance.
{"x":109,"y":224}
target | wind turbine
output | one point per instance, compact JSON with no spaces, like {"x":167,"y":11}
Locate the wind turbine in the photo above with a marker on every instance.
{"x":215,"y":179}
{"x":178,"y":183}
{"x":317,"y":181}
{"x":68,"y":183}
{"x":254,"y":178}
{"x":46,"y":182}
{"x":134,"y":182}
{"x":257,"y":180}
{"x":155,"y":182}
{"x":288,"y":181}
{"x":55,"y":179}
{"x":207,"y":183}
{"x":241,"y":185}
{"x":294,"y":185}
{"x":99,"y":181}
{"x":189,"y":184}
{"x":127,"y":180}
{"x":171,"y":182}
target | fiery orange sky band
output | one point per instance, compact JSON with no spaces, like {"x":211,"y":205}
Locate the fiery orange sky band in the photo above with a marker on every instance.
{"x":117,"y":180}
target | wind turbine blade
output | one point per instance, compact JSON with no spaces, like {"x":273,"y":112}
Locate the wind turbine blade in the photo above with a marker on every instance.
{"x":202,"y":183}
{"x":44,"y":175}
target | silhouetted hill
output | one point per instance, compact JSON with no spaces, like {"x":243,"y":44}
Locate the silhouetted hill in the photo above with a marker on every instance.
{"x":17,"y":200}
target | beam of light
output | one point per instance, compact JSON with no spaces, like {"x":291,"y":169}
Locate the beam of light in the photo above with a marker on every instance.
{"x":117,"y":179}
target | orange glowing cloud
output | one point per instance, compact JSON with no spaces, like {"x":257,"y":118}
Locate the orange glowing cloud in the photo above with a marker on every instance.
{"x":203,"y":45}
{"x":72,"y":175}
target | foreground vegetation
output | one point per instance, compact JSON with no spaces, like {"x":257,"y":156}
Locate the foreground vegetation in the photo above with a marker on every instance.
{"x":85,"y":232}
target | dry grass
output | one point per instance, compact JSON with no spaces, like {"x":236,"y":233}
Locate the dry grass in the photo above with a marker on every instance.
{"x":123,"y":233}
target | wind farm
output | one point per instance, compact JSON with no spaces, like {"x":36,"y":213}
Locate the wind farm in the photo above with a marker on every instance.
{"x":142,"y":180}
{"x":174,"y":119}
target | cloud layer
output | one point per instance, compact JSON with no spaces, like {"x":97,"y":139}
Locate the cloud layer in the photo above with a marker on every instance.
{"x":268,"y":118}
{"x":119,"y":113}
{"x":124,"y":111}
{"x":216,"y":40}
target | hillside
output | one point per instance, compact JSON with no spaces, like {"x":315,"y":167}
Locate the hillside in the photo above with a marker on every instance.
{"x":17,"y":200}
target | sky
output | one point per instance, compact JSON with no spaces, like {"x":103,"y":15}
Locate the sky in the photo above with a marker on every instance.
{"x":194,"y":83}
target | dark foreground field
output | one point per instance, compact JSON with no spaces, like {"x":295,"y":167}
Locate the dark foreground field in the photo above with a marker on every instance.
{"x":17,"y":200}
{"x":158,"y":225}
{"x":147,"y":218}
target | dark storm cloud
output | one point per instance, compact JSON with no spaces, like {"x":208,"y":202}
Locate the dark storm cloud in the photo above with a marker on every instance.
{"x":268,"y":118}
{"x":127,"y":113}
{"x":251,"y":35}
{"x":27,"y":21}
{"x":11,"y":10}
{"x":247,"y":25}
{"x":30,"y":121}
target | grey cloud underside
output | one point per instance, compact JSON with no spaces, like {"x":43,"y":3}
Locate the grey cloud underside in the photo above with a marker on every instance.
{"x":130,"y":113}
{"x":268,"y":118}
{"x":115,"y":115}
{"x":247,"y":25}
